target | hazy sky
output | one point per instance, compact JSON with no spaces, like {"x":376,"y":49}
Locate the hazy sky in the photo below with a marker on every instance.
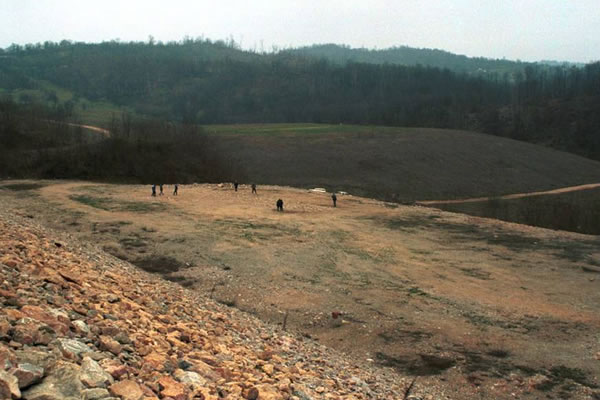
{"x":566,"y":30}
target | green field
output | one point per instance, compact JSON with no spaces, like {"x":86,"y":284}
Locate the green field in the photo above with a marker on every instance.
{"x":99,"y":113}
{"x":294,"y":129}
{"x":85,"y":111}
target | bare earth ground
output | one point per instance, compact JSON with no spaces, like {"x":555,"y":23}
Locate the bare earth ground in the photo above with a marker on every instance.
{"x":492,"y":309}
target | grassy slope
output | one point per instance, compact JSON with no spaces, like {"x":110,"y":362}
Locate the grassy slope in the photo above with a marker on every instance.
{"x":98,"y":113}
{"x":402,"y":164}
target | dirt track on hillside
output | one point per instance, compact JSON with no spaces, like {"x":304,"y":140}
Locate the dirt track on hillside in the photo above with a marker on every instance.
{"x":568,"y":189}
{"x":102,"y":131}
{"x":485,"y":304}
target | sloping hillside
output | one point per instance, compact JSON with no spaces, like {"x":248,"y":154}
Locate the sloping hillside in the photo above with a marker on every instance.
{"x":399,"y":164}
{"x":480,"y":308}
{"x":404,"y":55}
{"x":76,"y":323}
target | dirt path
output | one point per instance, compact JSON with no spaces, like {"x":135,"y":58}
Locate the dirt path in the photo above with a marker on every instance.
{"x":485,"y":304}
{"x":512,"y":196}
{"x":102,"y":131}
{"x":97,"y":129}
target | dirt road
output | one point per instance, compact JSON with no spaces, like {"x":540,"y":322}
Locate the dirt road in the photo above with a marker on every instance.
{"x":486,"y":305}
{"x":512,"y":196}
{"x":102,"y":131}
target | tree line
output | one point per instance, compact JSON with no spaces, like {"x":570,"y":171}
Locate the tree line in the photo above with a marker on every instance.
{"x":197,"y":81}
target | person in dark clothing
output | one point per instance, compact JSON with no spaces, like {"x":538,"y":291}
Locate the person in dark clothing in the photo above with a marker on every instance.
{"x":154,"y":190}
{"x":334,"y":198}
{"x":254,"y":188}
{"x":279,"y":205}
{"x":175,"y":189}
{"x":235,"y":185}
{"x":161,"y":189}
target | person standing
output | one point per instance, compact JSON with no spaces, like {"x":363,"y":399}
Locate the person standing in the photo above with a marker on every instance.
{"x":154,"y":190}
{"x":254,"y":188}
{"x":334,"y":198}
{"x":279,"y":205}
{"x":235,"y":185}
{"x":161,"y":189}
{"x":175,"y":189}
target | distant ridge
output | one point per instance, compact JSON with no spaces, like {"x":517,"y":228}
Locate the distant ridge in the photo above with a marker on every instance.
{"x":410,"y":56}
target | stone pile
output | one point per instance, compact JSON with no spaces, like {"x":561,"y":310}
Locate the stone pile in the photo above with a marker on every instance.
{"x":76,"y":323}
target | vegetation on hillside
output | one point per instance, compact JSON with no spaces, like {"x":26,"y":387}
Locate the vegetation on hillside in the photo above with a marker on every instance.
{"x":38,"y":142}
{"x":398,"y":164}
{"x":576,"y":212}
{"x":204,"y":82}
{"x":410,"y":56}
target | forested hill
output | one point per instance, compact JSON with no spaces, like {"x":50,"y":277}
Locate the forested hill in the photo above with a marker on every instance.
{"x":410,"y":56}
{"x":199,"y":81}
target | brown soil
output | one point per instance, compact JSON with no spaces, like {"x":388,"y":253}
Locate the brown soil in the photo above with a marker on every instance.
{"x":485,"y":306}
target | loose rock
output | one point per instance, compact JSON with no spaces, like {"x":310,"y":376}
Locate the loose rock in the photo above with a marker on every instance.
{"x":28,"y":374}
{"x":62,"y":384}
{"x":127,"y":389}
{"x":9,"y":386}
{"x":93,"y":376}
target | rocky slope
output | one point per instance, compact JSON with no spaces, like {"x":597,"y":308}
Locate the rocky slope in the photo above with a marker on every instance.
{"x":76,"y":323}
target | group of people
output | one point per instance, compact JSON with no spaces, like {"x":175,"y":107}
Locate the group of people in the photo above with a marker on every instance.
{"x":160,"y":186}
{"x":236,"y":184}
{"x":278,"y":204}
